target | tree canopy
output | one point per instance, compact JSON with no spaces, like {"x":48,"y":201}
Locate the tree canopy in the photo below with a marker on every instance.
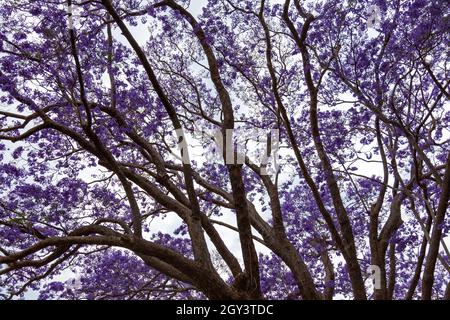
{"x":122,"y":124}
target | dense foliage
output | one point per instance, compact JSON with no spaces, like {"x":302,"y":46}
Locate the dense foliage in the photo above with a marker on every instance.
{"x":98,"y":97}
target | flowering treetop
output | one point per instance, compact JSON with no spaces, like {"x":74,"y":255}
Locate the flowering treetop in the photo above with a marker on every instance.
{"x":101,"y":103}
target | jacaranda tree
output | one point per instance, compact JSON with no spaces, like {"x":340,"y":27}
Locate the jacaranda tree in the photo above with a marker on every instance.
{"x":101,"y":106}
